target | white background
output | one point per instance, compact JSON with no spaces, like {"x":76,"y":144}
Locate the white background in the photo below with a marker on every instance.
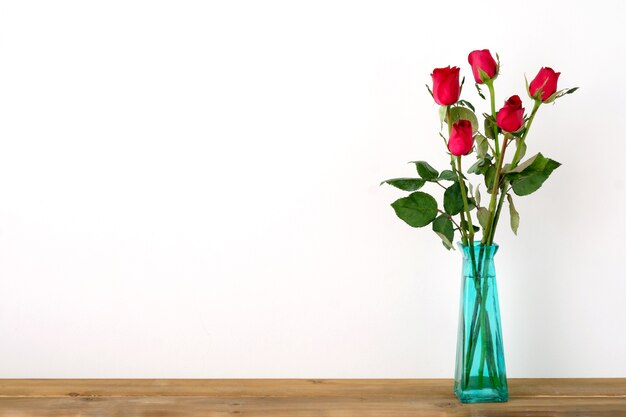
{"x":190,"y":189}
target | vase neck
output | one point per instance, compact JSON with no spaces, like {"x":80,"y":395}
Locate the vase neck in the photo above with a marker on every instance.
{"x":480,"y":251}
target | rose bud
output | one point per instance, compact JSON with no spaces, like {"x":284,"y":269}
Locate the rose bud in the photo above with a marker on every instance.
{"x":545,"y":80}
{"x":511,"y":117}
{"x":446,"y":87}
{"x":484,"y":61}
{"x":461,"y":138}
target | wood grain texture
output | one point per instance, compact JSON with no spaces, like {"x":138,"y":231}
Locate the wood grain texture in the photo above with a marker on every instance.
{"x":301,"y":397}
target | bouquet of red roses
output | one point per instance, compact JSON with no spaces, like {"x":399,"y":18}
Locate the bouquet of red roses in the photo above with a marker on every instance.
{"x":501,"y":131}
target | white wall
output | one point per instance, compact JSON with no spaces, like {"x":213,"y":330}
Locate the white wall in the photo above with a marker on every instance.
{"x":190,"y":189}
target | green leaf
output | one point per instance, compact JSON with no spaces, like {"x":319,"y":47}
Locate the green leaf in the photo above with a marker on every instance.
{"x":442,"y":114}
{"x":521,"y":167}
{"x":490,"y":127}
{"x":462,"y":113}
{"x":529,"y":176}
{"x":425,"y":170}
{"x":482,"y":146}
{"x":467,"y":104}
{"x":480,"y":166}
{"x":483,"y":215}
{"x":445,"y":229}
{"x":529,"y":183}
{"x":477,"y":195}
{"x":513,"y":214}
{"x":560,"y":94}
{"x":473,"y":169}
{"x":453,"y":200}
{"x":430,"y":91}
{"x":465,"y":226}
{"x":480,"y":93}
{"x":447,"y":175}
{"x":406,"y":184}
{"x":417,"y":210}
{"x":471,"y":203}
{"x":446,"y":243}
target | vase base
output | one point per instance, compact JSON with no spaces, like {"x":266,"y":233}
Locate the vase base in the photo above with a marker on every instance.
{"x":482,"y":395}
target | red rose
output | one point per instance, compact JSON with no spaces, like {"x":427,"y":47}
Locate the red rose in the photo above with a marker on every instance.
{"x":461,"y":139}
{"x":511,"y":117}
{"x":446,"y":87}
{"x":545,"y":80}
{"x":484,"y":61}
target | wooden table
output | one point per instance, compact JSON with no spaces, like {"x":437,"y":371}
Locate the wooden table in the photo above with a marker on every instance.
{"x":301,"y":397}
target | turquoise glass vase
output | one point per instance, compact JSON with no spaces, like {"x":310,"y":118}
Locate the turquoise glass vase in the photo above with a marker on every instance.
{"x":480,"y":374}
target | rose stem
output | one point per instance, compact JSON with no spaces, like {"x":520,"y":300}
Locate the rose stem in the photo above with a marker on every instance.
{"x":494,"y":193}
{"x":492,"y":99}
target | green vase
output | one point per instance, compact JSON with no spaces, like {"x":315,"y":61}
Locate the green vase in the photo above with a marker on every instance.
{"x":480,"y":374}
